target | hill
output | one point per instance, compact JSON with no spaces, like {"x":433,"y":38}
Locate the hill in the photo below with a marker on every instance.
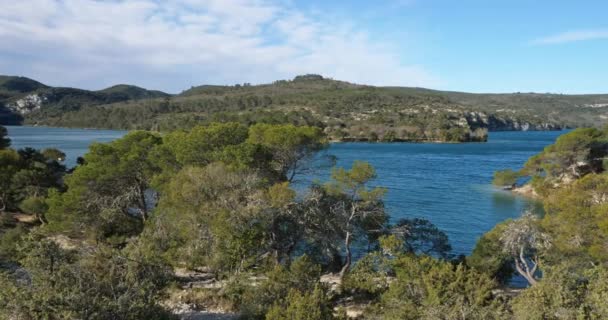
{"x":346,"y":111}
{"x":20,"y":96}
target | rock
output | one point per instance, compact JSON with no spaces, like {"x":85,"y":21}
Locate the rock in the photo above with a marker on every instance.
{"x":186,"y":311}
{"x":332,"y":280}
{"x":200,"y":278}
{"x":525,"y":190}
{"x":27,"y":104}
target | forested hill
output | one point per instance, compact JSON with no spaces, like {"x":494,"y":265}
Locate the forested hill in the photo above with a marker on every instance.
{"x":20,"y":97}
{"x":346,"y":111}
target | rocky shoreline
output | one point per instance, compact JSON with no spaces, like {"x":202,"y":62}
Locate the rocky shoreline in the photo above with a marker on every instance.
{"x":525,"y":190}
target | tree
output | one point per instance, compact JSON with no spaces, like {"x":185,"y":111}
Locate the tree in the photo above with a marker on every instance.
{"x":301,"y":276}
{"x":26,"y":173}
{"x":202,"y":145}
{"x":420,"y":236}
{"x":101,"y":284}
{"x":427,"y":288}
{"x":290,"y":146}
{"x":110,"y":188}
{"x":37,"y":174}
{"x":212,"y":216}
{"x":302,"y":306}
{"x":523,"y":240}
{"x":53,"y":154}
{"x":356,"y":208}
{"x":9,"y":166}
{"x":576,"y":219}
{"x":573,"y":155}
{"x":565,"y":293}
{"x":488,"y":256}
{"x":5,"y":142}
{"x":285,"y":228}
{"x":505,"y":178}
{"x":36,"y":206}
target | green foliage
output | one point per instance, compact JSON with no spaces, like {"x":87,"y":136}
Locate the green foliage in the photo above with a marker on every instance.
{"x":9,"y":165}
{"x":425,"y":288}
{"x":290,"y":145}
{"x":108,"y":195}
{"x":570,"y":237}
{"x":53,"y":154}
{"x":302,"y":276}
{"x":565,"y":294}
{"x":302,"y":306}
{"x":576,"y":218}
{"x":34,"y":205}
{"x":10,"y":239}
{"x":489,"y":258}
{"x":357,"y":210}
{"x":505,"y":178}
{"x":420,"y":236}
{"x":345,"y":111}
{"x":106,"y":284}
{"x":354,"y":182}
{"x":210,"y":216}
{"x":369,"y":276}
{"x":573,"y":155}
{"x":201,"y":145}
{"x":26,"y":173}
{"x":5,"y":142}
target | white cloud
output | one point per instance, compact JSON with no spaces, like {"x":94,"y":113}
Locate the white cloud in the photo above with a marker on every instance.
{"x":174,"y":44}
{"x":572,"y":36}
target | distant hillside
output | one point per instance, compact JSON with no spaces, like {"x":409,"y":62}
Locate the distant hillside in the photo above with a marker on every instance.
{"x":346,"y":111}
{"x":20,"y":97}
{"x":12,"y":86}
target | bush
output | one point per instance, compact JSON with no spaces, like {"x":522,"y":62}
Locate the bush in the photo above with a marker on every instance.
{"x":107,"y":284}
{"x":301,"y":276}
{"x":489,"y":258}
{"x":302,"y":306}
{"x":505,"y":178}
{"x":426,"y":288}
{"x":565,"y":293}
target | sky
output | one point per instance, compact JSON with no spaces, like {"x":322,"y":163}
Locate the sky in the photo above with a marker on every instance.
{"x":466,"y":45}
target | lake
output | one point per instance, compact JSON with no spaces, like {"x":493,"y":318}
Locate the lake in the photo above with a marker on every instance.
{"x":449,"y":184}
{"x":73,"y":142}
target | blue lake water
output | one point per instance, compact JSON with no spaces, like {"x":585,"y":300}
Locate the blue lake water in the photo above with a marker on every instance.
{"x":449,"y":184}
{"x":73,"y":142}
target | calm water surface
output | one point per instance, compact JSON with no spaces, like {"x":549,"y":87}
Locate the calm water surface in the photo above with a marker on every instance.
{"x":73,"y":142}
{"x":449,"y":184}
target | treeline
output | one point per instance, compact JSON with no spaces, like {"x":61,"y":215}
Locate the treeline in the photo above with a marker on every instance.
{"x":112,"y":238}
{"x":346,"y":112}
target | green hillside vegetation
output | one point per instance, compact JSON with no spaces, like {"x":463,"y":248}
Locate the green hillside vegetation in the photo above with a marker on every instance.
{"x":345,"y":111}
{"x":572,"y":111}
{"x":54,"y":101}
{"x":568,"y":243}
{"x":505,"y":178}
{"x":12,"y":86}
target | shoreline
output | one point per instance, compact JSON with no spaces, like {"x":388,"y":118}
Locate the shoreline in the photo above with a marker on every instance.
{"x":527,"y":191}
{"x":349,"y":140}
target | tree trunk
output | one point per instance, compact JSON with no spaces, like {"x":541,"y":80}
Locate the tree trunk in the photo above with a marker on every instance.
{"x":40,"y":218}
{"x":348,"y":258}
{"x":521,"y":265}
{"x":2,"y":204}
{"x":144,"y":207}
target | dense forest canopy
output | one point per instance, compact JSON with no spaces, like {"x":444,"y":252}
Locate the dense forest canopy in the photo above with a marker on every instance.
{"x":207,"y":217}
{"x":345,"y":111}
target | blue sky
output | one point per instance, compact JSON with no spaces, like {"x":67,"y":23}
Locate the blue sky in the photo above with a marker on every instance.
{"x":476,"y":46}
